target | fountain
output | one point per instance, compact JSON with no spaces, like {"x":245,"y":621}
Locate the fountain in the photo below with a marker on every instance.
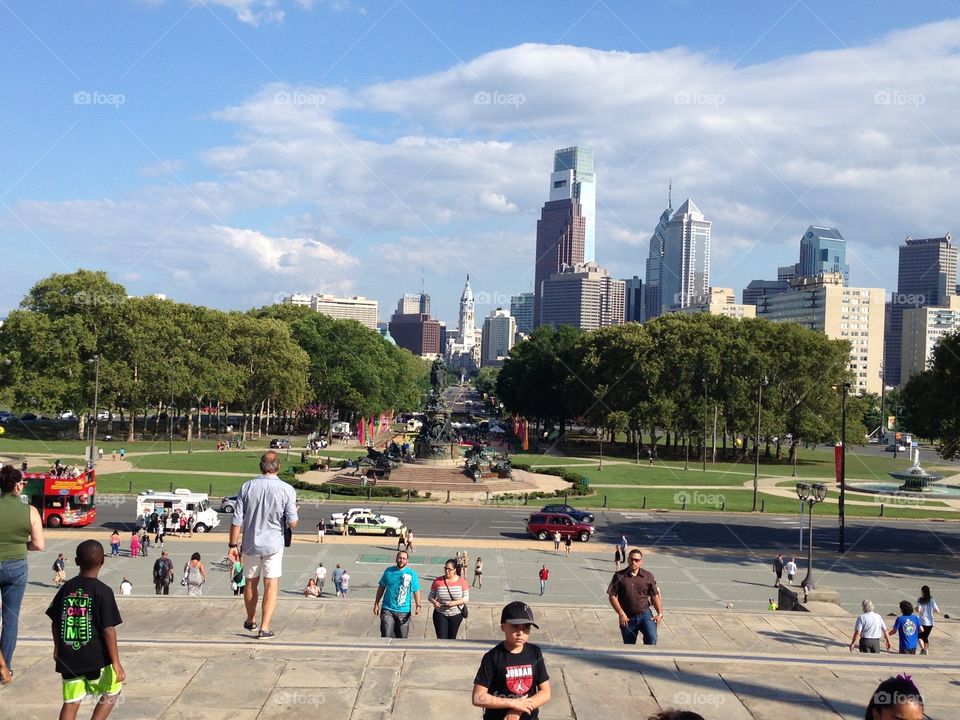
{"x":437,"y":441}
{"x":915,"y":478}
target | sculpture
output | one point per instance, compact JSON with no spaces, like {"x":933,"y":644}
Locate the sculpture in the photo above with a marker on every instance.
{"x":438,"y":375}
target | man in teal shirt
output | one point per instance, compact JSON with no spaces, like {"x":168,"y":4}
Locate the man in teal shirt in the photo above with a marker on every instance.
{"x":397,"y":584}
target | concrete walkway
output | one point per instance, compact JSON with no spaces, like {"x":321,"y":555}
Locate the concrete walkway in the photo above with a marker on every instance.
{"x":190,"y":657}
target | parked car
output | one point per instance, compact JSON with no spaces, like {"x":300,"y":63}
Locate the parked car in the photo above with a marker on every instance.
{"x":578,"y":515}
{"x":280,"y":443}
{"x":375,"y":525}
{"x":228,"y":504}
{"x":543,"y":525}
{"x":6,"y":416}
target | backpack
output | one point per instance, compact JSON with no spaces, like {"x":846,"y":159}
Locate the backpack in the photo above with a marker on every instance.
{"x":56,"y":566}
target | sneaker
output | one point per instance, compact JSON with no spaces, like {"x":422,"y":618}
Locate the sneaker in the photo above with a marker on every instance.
{"x":923,"y":651}
{"x":247,"y":625}
{"x":266,"y":634}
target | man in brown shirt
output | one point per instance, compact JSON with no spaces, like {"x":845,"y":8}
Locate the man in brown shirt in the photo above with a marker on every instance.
{"x":631,"y":592}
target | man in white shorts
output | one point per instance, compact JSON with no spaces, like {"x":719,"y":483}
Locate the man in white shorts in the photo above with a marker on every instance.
{"x":265,"y":506}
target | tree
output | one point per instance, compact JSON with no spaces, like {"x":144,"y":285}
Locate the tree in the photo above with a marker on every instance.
{"x":931,"y":399}
{"x":486,"y":380}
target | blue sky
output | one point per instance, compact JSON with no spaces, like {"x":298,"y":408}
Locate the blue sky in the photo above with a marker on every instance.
{"x":232,"y":151}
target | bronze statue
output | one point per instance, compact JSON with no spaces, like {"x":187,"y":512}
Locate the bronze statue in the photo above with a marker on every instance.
{"x":438,"y":375}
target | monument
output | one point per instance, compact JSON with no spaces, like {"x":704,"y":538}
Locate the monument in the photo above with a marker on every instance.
{"x":437,"y":440}
{"x":915,"y":478}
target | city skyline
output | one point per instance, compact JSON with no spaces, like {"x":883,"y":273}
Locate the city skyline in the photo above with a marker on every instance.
{"x":233,"y":153}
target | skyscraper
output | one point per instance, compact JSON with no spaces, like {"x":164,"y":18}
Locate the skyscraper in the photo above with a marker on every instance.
{"x":573,"y":177}
{"x":633,"y":300}
{"x":823,"y":250}
{"x":652,"y":299}
{"x":685,"y":265}
{"x":583,"y":296}
{"x":521,"y":308}
{"x":560,"y":232}
{"x":499,"y":329}
{"x":926,"y":277}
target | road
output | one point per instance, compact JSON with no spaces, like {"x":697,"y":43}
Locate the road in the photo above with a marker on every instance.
{"x":671,"y":530}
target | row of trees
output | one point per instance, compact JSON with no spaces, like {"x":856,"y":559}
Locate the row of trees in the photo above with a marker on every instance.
{"x":152,"y":352}
{"x":675,"y":375}
{"x":931,"y":399}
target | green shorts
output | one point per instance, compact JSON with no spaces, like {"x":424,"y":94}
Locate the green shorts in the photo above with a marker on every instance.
{"x":102,"y":682}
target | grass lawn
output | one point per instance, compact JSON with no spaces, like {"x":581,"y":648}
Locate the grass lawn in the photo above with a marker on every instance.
{"x":735,"y":501}
{"x":137,"y":482}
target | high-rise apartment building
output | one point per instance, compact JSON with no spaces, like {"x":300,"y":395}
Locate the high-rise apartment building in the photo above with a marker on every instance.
{"x":573,"y":177}
{"x":823,"y":250}
{"x":685,"y":265}
{"x":633,"y":300}
{"x":825,"y":305}
{"x":923,"y":328}
{"x":499,"y":330}
{"x":341,"y":308}
{"x":521,"y":308}
{"x":560,"y":237}
{"x":926,"y":277}
{"x":583,"y":296}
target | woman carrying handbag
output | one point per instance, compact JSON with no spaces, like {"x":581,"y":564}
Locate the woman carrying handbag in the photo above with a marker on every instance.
{"x":449,"y":595}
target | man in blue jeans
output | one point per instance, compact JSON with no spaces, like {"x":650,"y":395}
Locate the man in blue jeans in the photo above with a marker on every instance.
{"x":396,"y":588}
{"x":632,"y":592}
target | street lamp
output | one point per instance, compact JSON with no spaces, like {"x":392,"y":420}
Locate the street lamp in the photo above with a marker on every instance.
{"x":810,"y":494}
{"x":96,"y":399}
{"x":843,"y":463}
{"x":756,"y":461}
{"x":704,"y":424}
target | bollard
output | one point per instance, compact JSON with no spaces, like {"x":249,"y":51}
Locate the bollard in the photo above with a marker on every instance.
{"x":329,"y":492}
{"x":881,"y":509}
{"x":684,"y":506}
{"x":763,"y":506}
{"x":723,"y":504}
{"x":604,"y":500}
{"x":448,"y":496}
{"x":210,"y":489}
{"x":130,"y":489}
{"x":171,"y":487}
{"x":526,"y":499}
{"x":368,"y":492}
{"x":487,"y":501}
{"x":408,"y":495}
{"x":644,"y":502}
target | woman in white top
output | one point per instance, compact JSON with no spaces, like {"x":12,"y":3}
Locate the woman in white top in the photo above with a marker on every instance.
{"x":926,"y":608}
{"x":868,"y":630}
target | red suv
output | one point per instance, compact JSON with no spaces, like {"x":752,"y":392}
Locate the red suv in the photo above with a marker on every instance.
{"x":543,"y":525}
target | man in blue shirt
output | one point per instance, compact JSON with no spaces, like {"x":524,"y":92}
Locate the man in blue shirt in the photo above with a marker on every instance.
{"x":265,"y":507}
{"x":396,"y":586}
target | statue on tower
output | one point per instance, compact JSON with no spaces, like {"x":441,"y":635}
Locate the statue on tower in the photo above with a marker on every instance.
{"x":438,"y":376}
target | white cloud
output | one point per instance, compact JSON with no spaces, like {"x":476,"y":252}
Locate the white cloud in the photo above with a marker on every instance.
{"x":451,"y":174}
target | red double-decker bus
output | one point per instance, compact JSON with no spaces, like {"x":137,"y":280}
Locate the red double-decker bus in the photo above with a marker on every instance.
{"x":63,"y":501}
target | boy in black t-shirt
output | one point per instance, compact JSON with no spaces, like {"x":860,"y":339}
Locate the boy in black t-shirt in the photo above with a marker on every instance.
{"x":512,"y":681}
{"x":85,"y":615}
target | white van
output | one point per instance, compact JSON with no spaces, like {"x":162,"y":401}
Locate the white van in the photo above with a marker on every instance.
{"x":184,"y":500}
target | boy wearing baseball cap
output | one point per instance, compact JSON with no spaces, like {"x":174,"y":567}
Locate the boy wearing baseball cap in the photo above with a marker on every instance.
{"x":512,"y":681}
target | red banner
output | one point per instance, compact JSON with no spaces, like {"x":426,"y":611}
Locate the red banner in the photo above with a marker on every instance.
{"x":838,"y":460}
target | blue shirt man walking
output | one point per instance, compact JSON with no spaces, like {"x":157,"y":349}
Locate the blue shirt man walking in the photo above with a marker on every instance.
{"x":397,"y":585}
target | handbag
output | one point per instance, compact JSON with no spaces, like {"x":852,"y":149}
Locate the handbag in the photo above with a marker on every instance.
{"x":287,"y":536}
{"x":464,"y":610}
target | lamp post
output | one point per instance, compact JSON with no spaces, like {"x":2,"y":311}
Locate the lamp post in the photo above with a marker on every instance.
{"x":96,"y":399}
{"x":756,"y":460}
{"x":704,"y":424}
{"x":810,"y":494}
{"x":843,"y":464}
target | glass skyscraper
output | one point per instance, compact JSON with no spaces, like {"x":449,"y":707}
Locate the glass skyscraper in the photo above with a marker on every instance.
{"x":823,"y":250}
{"x":685,"y":265}
{"x":573,"y":177}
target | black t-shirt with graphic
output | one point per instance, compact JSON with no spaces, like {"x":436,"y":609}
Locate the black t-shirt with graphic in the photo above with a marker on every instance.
{"x":511,"y":675}
{"x":80,"y":611}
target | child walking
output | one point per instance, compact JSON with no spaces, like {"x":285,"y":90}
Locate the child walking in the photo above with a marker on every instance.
{"x":84,"y":617}
{"x":512,"y":680}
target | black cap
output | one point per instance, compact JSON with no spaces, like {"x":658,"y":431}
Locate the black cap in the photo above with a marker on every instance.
{"x":517,"y":613}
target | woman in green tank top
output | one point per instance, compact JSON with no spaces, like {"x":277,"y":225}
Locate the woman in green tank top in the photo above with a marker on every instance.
{"x":20,"y":530}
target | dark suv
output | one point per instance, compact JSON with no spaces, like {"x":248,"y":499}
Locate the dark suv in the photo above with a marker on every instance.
{"x":578,"y":515}
{"x":543,"y":525}
{"x":280,"y":443}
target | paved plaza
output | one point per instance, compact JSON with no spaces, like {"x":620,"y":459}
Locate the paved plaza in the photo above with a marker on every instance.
{"x":189,"y":657}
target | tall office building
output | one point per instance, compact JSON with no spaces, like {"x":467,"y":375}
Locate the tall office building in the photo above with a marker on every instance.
{"x":633,"y":300}
{"x":825,"y":305}
{"x":926,"y":277}
{"x":521,"y":308}
{"x":923,"y":328}
{"x":560,"y":233}
{"x":758,"y":289}
{"x":823,"y":250}
{"x":499,"y":329}
{"x":414,"y":304}
{"x":583,"y":296}
{"x":652,"y":297}
{"x":412,"y":328}
{"x":685,"y":265}
{"x":573,"y":177}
